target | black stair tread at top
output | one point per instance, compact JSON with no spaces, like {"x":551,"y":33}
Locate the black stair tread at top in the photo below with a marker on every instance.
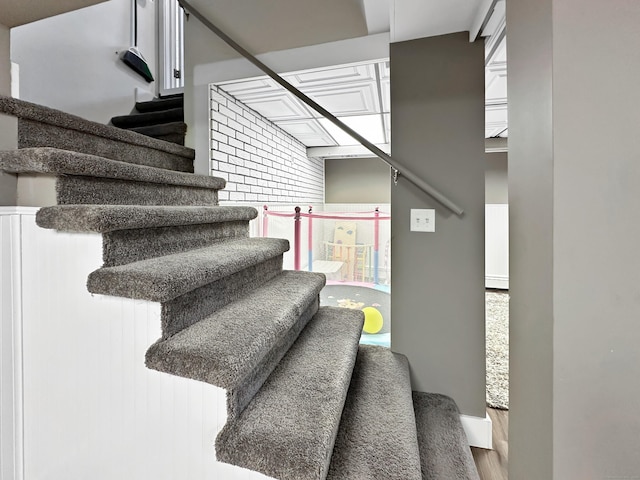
{"x":148,"y":118}
{"x":161,"y":279}
{"x":288,"y":429}
{"x":39,"y":113}
{"x":109,"y":218}
{"x":64,"y":162}
{"x":161,"y":128}
{"x":223,"y":348}
{"x":177,"y":138}
{"x":160,"y":104}
{"x":378,"y":417}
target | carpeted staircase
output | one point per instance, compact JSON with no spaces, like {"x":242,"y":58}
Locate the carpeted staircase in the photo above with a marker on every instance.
{"x":305,"y":400}
{"x":161,"y":118}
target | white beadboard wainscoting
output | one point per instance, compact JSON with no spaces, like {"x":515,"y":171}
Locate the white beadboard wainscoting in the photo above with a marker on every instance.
{"x":497,"y":246}
{"x":77,"y":401}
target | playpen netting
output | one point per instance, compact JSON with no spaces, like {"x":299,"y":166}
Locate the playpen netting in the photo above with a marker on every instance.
{"x":346,"y":246}
{"x":352,"y":249}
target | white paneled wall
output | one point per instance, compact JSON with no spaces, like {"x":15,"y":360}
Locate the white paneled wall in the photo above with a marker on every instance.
{"x":10,"y":349}
{"x":497,"y":246}
{"x":87,"y":405}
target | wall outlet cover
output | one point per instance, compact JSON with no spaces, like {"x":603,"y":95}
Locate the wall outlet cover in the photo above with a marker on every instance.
{"x":423,"y":220}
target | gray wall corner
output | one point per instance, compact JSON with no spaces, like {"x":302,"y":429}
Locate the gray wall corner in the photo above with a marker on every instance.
{"x":437,"y":97}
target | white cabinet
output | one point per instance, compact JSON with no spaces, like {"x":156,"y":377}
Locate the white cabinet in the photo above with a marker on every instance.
{"x":497,"y":246}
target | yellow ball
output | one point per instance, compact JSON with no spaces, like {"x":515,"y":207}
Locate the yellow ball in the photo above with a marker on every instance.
{"x":372,"y":320}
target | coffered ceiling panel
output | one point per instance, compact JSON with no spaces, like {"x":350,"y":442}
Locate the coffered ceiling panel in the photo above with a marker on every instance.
{"x":349,"y":99}
{"x":496,"y":120}
{"x":276,"y":106}
{"x":496,"y":85}
{"x":253,"y":86}
{"x":359,"y":95}
{"x":333,"y":76}
{"x":387,"y":127}
{"x":385,"y":93}
{"x":309,"y":132}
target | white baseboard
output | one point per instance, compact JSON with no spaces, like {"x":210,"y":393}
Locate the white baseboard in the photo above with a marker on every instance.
{"x":496,"y":281}
{"x":17,"y":210}
{"x":478,"y":430}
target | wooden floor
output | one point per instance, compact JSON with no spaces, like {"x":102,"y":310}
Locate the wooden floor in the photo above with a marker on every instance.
{"x":492,"y":464}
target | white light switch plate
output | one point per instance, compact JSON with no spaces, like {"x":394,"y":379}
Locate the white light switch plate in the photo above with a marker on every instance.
{"x":423,"y":220}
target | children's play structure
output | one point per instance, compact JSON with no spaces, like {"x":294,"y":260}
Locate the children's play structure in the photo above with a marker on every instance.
{"x":353,"y":250}
{"x":344,"y":250}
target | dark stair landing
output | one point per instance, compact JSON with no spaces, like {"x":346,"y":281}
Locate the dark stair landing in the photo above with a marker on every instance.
{"x":161,"y":118}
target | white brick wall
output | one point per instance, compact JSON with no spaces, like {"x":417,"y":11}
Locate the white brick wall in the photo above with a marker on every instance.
{"x":259,"y":160}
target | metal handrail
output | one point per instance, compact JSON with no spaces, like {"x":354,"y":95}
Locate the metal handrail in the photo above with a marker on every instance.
{"x":399,"y":169}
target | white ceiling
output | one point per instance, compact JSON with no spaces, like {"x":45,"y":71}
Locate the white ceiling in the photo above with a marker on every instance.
{"x":410,"y":19}
{"x":19,"y":12}
{"x":495,"y":85}
{"x":359,"y":93}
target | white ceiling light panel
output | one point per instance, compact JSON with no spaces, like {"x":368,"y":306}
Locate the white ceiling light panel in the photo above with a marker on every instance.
{"x":369,"y":126}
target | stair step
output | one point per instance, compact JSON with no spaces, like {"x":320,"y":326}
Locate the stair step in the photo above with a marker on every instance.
{"x":193,"y":306}
{"x":128,"y":246}
{"x":40,"y":126}
{"x":109,"y":218}
{"x":179,"y":128}
{"x":126,"y":228}
{"x":239,"y":345}
{"x":91,"y":179}
{"x":377,"y":436}
{"x":164,"y":278}
{"x":160,"y":104}
{"x":149,"y":118}
{"x":288,"y":429}
{"x":444,"y":448}
{"x":171,"y":132}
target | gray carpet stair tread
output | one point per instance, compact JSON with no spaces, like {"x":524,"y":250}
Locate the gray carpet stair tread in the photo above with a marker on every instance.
{"x":31,"y":111}
{"x":444,"y":449}
{"x":289,"y":428}
{"x":109,"y":218}
{"x":161,"y":279}
{"x":225,"y":347}
{"x":47,"y":160}
{"x":377,"y":438}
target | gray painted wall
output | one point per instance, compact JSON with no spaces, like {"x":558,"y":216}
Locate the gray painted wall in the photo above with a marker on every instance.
{"x":437,"y":99}
{"x":356,"y":180}
{"x":530,"y":240}
{"x":575,"y":266}
{"x":349,"y":180}
{"x":5,"y":62}
{"x":496,"y":178}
